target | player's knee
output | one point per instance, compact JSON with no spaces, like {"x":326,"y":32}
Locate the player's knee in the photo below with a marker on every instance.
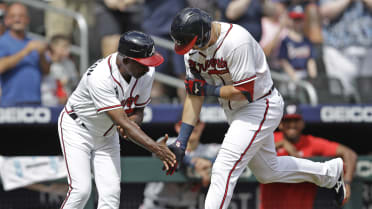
{"x":265,"y":179}
{"x":82,"y":192}
{"x":112,"y":192}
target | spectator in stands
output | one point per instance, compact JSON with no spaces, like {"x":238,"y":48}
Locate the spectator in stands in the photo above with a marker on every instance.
{"x":157,"y":22}
{"x":56,"y":23}
{"x":52,"y":93}
{"x":2,"y":27}
{"x":296,"y":51}
{"x":274,"y":30}
{"x":2,"y":15}
{"x":199,"y":157}
{"x":22,"y":60}
{"x":347,"y":37}
{"x":291,"y":141}
{"x":115,"y":17}
{"x":63,"y":77}
{"x":63,"y":68}
{"x":247,"y":13}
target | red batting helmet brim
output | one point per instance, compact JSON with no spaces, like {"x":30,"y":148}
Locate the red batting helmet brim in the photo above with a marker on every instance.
{"x":153,"y":61}
{"x":183,"y":49}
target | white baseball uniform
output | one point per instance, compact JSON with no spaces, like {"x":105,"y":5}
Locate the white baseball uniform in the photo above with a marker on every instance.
{"x":237,"y":59}
{"x":88,"y":137}
{"x":160,"y":195}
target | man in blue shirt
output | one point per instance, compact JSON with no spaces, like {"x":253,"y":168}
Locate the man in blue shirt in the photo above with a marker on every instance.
{"x":22,"y":61}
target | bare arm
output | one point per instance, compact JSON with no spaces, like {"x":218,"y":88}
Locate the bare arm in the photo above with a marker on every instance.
{"x":137,"y":115}
{"x":368,"y":4}
{"x":331,"y":10}
{"x":236,"y":9}
{"x":311,"y":68}
{"x":268,"y":8}
{"x":231,"y":93}
{"x":191,"y":109}
{"x":9,"y":62}
{"x":134,"y":132}
{"x":288,"y":146}
{"x":350,"y":159}
{"x":273,"y":43}
{"x":288,"y":69}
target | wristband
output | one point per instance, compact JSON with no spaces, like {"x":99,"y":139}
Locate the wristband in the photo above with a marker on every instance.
{"x":187,"y":161}
{"x":211,"y":90}
{"x":184,"y":135}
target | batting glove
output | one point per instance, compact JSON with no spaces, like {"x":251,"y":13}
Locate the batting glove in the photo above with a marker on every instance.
{"x":180,"y":154}
{"x":199,"y":87}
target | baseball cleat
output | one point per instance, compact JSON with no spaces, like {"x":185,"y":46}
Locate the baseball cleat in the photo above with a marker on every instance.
{"x":340,"y":189}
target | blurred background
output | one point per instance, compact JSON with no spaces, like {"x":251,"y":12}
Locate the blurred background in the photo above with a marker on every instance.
{"x":319,"y":52}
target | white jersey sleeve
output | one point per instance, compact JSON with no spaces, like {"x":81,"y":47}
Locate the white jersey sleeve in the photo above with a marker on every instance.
{"x":241,"y":65}
{"x":102,"y":93}
{"x":146,"y":86}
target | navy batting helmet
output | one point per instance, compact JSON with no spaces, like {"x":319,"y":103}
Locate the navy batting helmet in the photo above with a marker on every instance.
{"x":190,"y":27}
{"x":140,"y":47}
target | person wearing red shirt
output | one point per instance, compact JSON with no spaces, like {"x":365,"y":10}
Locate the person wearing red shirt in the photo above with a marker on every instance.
{"x":291,"y":141}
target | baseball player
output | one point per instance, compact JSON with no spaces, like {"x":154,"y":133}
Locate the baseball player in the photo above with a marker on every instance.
{"x":223,"y":60}
{"x":113,"y":91}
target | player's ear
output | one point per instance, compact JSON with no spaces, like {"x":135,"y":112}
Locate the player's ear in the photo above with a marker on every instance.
{"x":281,"y":124}
{"x":125,"y":60}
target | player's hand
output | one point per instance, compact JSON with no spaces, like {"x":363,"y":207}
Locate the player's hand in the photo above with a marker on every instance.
{"x":179,"y":153}
{"x":165,"y":154}
{"x":122,"y":132}
{"x":195,"y":86}
{"x":290,"y":148}
{"x":348,"y":192}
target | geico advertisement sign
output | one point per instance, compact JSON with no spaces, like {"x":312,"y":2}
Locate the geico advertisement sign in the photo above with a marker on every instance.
{"x":25,"y":115}
{"x":364,"y":168}
{"x":346,"y":114}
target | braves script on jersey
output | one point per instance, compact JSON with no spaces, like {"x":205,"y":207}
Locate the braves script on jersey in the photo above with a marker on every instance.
{"x":227,"y":63}
{"x":103,"y":88}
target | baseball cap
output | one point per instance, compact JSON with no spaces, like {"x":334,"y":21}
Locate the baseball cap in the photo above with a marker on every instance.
{"x":140,"y":47}
{"x":292,"y":112}
{"x":296,"y":12}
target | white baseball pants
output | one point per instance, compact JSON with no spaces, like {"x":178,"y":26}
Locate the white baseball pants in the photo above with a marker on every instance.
{"x":249,"y":141}
{"x":85,"y":153}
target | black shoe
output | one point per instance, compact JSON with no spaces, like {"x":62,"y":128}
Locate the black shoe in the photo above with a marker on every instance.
{"x":340,"y":190}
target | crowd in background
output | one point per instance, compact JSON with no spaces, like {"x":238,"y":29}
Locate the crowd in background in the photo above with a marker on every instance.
{"x":327,"y":43}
